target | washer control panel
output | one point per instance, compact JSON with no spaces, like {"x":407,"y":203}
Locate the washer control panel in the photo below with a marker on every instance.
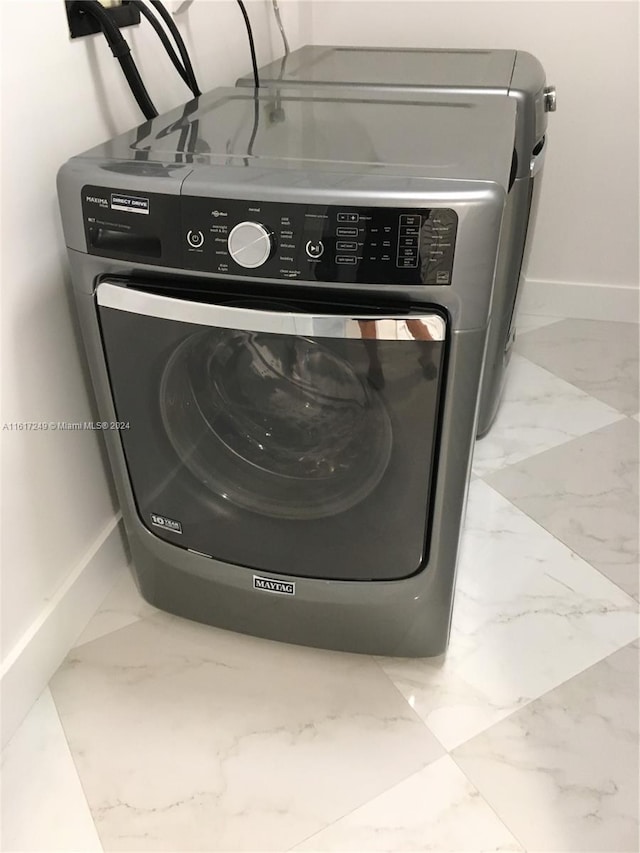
{"x":336,"y":243}
{"x":319,"y":243}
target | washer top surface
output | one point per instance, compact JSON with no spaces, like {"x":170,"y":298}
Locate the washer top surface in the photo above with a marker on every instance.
{"x":308,"y":129}
{"x":384,"y":67}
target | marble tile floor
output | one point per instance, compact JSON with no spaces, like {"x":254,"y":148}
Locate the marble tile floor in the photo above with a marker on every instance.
{"x":158,"y":734}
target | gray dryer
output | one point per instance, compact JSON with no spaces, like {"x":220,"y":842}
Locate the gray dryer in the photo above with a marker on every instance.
{"x":422,"y":72}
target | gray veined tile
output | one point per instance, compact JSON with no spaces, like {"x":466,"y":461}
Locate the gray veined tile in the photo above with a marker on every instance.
{"x":121,"y":607}
{"x":562,"y":773}
{"x":599,"y":357}
{"x":191,"y":738}
{"x":538,"y":411}
{"x":529,"y":614}
{"x":43,"y":805}
{"x":436,"y":809}
{"x":586,"y":493}
{"x":529,"y":322}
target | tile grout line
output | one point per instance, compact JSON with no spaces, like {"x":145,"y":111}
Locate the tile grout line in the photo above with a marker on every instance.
{"x":135,"y":617}
{"x":449,"y":753}
{"x":550,"y":533}
{"x":361,"y":805}
{"x":531,"y":701}
{"x":488,"y":802}
{"x":568,"y":382}
{"x":75,"y":766}
{"x":549,"y":370}
{"x":606,"y":654}
{"x":630,"y":644}
{"x":418,"y":719}
{"x":105,"y":635}
{"x":621,"y":417}
{"x":401,"y":782}
{"x":406,"y":701}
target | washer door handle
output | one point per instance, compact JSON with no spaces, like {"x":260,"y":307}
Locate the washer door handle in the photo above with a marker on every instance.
{"x":428,"y":326}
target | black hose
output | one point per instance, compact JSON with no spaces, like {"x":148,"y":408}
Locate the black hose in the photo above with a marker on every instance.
{"x":122,"y":52}
{"x":256,"y":121}
{"x":175,"y":32}
{"x":252,"y":46}
{"x":157,"y":26}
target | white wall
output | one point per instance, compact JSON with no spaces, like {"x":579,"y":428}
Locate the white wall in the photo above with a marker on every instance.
{"x":60,"y":542}
{"x":587,"y":229}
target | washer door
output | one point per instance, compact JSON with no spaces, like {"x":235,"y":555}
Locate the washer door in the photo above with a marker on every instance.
{"x":275,"y":424}
{"x":292,"y":442}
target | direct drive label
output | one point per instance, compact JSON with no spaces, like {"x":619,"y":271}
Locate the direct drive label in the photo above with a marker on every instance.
{"x":167,"y":523}
{"x":131,"y":203}
{"x":271,"y":585}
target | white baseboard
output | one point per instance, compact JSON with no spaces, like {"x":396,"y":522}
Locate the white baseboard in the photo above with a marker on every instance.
{"x":27,"y":669}
{"x":615,"y":302}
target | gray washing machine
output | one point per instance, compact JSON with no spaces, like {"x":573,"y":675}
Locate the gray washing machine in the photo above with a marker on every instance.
{"x":285,"y":321}
{"x":502,"y":73}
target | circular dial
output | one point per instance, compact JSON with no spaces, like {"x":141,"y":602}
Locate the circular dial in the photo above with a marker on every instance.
{"x":250,"y":244}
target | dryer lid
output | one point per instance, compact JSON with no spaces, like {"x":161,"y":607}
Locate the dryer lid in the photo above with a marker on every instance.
{"x":464,"y":138}
{"x":393,"y":68}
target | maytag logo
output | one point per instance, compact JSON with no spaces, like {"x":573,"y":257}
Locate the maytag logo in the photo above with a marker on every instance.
{"x":271,"y":585}
{"x":93,"y":199}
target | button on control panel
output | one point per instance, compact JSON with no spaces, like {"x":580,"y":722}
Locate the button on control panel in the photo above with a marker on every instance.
{"x":315,"y":249}
{"x":319,"y":243}
{"x":195,"y":239}
{"x":408,"y":237}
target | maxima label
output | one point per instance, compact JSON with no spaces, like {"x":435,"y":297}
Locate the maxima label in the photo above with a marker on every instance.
{"x":132,"y":203}
{"x":271,"y":585}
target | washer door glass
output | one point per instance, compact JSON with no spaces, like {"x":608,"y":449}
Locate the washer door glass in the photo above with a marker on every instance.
{"x":278,"y":438}
{"x":275,"y":424}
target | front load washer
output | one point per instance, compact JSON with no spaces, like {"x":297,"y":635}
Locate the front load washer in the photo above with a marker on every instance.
{"x":512,"y":74}
{"x":285,"y":321}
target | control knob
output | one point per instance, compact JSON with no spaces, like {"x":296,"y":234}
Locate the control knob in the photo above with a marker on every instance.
{"x":250,"y":244}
